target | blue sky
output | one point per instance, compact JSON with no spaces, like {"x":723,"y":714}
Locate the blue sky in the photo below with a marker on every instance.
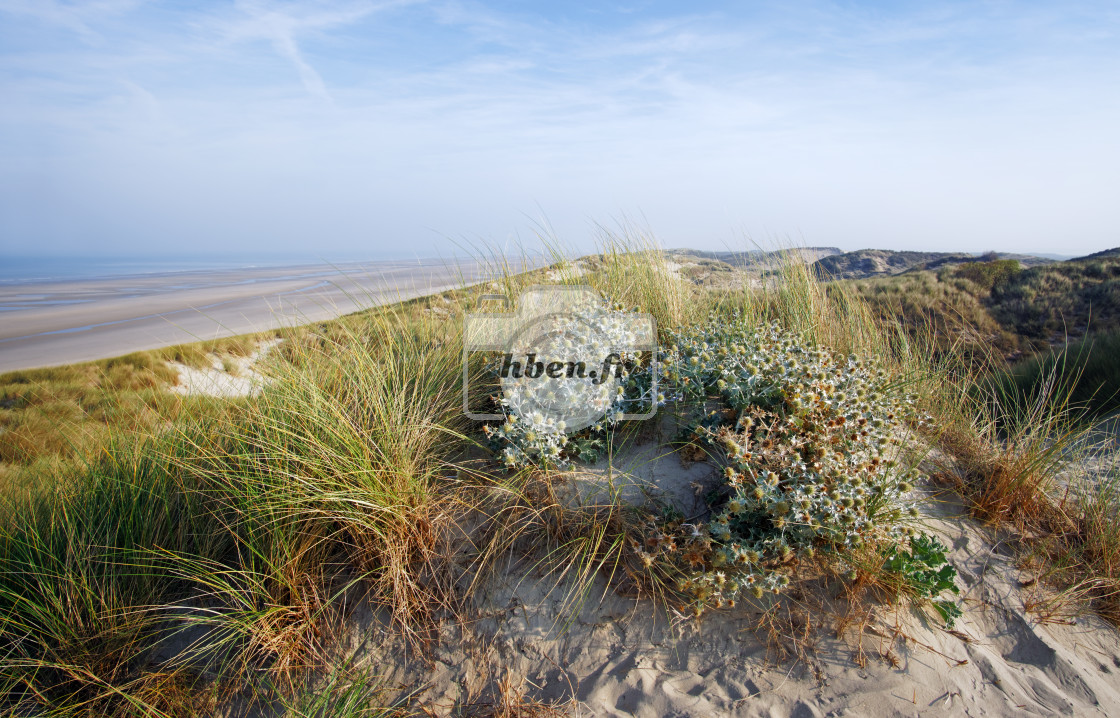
{"x":349,"y":129}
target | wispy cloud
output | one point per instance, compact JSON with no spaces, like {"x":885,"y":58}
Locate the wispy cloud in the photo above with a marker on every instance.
{"x":345,"y":121}
{"x":284,"y":24}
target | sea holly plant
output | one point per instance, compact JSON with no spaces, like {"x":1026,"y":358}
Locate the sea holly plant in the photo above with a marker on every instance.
{"x":811,"y":446}
{"x":573,"y":369}
{"x":810,"y":443}
{"x":926,"y":573}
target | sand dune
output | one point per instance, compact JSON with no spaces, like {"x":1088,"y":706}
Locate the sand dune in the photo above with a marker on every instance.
{"x":61,"y":322}
{"x":617,"y":656}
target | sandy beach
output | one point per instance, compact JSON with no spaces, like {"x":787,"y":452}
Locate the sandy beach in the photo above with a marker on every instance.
{"x":61,"y":322}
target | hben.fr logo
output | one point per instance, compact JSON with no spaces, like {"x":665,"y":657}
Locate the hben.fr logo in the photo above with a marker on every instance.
{"x":564,"y":356}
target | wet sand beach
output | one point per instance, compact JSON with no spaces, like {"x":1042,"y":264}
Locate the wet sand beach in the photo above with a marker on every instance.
{"x":50,"y":323}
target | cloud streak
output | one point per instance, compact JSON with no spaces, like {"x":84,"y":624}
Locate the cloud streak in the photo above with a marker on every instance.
{"x":283,"y":23}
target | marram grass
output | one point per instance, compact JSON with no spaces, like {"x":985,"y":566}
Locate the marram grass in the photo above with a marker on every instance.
{"x":214,"y":560}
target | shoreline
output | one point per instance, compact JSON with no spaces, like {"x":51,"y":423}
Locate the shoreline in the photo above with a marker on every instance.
{"x":59,"y":322}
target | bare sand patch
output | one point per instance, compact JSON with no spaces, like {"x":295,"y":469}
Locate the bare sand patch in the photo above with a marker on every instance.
{"x":227,"y":376}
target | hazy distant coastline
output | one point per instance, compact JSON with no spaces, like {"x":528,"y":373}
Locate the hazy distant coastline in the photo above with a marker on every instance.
{"x":62,"y":320}
{"x":26,"y":269}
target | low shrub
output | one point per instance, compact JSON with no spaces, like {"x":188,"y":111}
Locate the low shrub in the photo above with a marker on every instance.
{"x":988,"y":275}
{"x":812,"y":446}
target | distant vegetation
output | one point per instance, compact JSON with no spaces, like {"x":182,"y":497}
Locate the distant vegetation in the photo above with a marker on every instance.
{"x":758,"y":257}
{"x":873,"y":262}
{"x":990,"y":274}
{"x":999,"y":309}
{"x":865,"y":263}
{"x":1048,"y":303}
